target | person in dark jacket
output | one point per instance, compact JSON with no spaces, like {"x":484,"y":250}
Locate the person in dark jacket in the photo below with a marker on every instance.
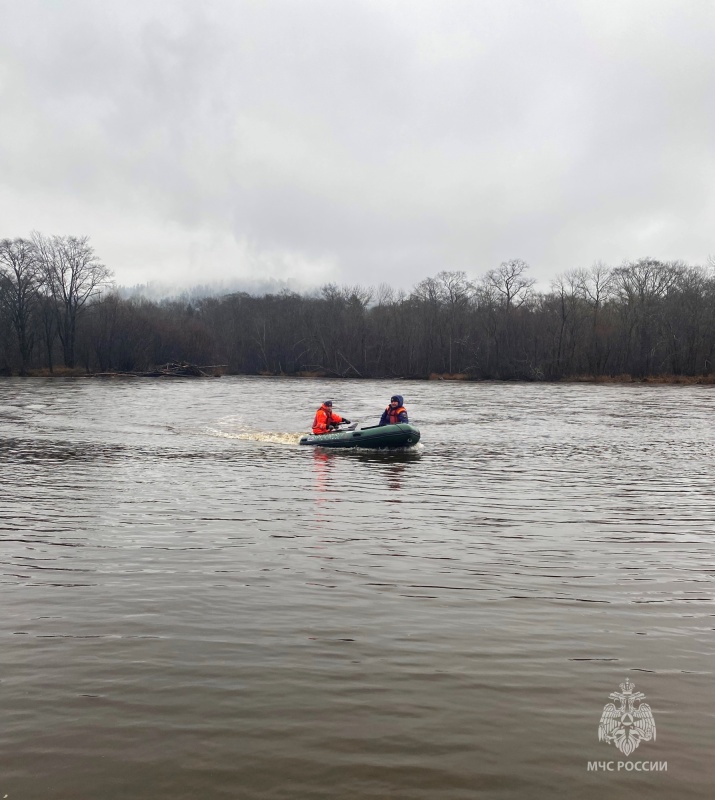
{"x":325,"y":420}
{"x":395,"y":412}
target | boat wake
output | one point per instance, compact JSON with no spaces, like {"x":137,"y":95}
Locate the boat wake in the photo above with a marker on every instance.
{"x":276,"y":438}
{"x":232,"y":429}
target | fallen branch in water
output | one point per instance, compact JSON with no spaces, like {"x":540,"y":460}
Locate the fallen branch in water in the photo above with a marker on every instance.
{"x":170,"y":370}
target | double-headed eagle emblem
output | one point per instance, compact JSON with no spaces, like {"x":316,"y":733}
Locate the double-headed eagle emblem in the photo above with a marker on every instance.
{"x":627,"y":725}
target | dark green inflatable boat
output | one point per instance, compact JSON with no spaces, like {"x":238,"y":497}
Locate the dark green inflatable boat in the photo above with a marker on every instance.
{"x":377,"y":436}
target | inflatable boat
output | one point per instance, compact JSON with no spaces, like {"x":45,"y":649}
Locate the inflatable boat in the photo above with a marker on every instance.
{"x":377,"y":436}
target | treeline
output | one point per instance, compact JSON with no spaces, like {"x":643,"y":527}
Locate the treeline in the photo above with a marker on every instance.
{"x":644,"y":318}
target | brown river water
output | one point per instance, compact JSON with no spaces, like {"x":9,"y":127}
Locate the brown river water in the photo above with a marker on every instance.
{"x":194,"y":606}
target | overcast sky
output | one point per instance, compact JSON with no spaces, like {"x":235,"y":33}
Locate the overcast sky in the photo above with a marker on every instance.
{"x":356,"y":141}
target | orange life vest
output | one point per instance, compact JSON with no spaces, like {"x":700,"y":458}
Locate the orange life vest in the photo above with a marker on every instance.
{"x":324,"y":418}
{"x":393,"y":415}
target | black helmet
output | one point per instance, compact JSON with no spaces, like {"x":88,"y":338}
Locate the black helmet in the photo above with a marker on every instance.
{"x":327,"y":403}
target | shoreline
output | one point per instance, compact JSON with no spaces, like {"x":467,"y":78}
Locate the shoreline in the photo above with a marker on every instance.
{"x":686,"y":380}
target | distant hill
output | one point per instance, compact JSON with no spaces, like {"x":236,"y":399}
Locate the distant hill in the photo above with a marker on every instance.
{"x":158,"y":290}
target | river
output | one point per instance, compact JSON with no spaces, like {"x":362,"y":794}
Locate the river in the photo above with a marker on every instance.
{"x":193,"y":606}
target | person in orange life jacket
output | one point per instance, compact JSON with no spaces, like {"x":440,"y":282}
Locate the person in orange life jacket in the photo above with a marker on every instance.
{"x":325,"y":421}
{"x":395,"y":412}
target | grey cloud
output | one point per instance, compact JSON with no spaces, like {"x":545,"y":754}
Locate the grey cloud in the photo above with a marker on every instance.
{"x":390,"y":140}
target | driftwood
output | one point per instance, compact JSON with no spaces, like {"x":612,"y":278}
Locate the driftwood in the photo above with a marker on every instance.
{"x":171,"y":370}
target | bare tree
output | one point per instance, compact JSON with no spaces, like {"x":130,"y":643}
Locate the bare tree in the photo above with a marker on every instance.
{"x":20,"y":280}
{"x":455,"y":292}
{"x":509,"y":282}
{"x":72,"y":276}
{"x":564,"y":294}
{"x":595,"y":284}
{"x":385,"y":294}
{"x":641,"y":287}
{"x":646,"y":280}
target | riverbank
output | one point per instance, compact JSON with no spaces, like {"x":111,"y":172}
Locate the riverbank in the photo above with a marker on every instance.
{"x":67,"y":372}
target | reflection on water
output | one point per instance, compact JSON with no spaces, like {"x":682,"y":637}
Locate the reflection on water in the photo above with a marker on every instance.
{"x":387,"y":468}
{"x":193,"y":603}
{"x":322,"y":464}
